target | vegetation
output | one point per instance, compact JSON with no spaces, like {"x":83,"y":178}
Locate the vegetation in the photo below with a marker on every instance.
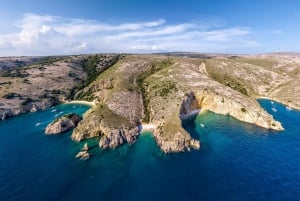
{"x":226,"y":79}
{"x":96,"y":64}
{"x":15,"y":73}
{"x":108,"y":118}
{"x":48,"y":60}
{"x":93,"y":65}
{"x":155,"y":67}
{"x":167,"y":87}
{"x":243,"y":110}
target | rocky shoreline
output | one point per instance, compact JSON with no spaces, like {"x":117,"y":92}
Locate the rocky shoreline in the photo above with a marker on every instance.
{"x":129,"y":91}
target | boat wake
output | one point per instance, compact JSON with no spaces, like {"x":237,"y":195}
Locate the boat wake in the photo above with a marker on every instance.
{"x":41,"y":123}
{"x":58,"y":114}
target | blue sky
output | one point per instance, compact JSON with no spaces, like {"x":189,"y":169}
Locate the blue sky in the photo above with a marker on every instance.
{"x":34,"y":27}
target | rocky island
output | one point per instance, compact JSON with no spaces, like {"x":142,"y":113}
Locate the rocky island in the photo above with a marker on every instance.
{"x":161,"y":90}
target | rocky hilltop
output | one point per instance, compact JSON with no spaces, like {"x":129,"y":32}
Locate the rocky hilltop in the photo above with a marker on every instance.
{"x":130,"y":91}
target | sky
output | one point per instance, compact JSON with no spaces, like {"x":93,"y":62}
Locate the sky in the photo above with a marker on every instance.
{"x":55,"y":27}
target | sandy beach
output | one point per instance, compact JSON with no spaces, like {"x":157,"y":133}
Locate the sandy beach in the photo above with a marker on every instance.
{"x":92,"y":104}
{"x":148,"y":127}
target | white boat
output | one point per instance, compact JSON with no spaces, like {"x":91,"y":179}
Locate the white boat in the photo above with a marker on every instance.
{"x":288,"y":108}
{"x":274,"y":109}
{"x":38,"y":124}
{"x":202,"y":125}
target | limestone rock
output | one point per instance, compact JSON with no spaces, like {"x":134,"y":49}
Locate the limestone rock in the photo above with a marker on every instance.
{"x":243,"y":108}
{"x":83,"y":155}
{"x":189,"y":106}
{"x":63,"y":124}
{"x":112,"y":128}
{"x":181,"y":142}
{"x":85,"y":147}
{"x":117,"y":137}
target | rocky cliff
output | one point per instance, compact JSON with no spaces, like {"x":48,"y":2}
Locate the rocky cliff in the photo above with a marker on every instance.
{"x":244,"y":109}
{"x":112,"y":129}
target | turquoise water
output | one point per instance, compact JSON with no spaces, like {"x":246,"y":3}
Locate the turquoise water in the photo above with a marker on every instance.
{"x":237,"y":161}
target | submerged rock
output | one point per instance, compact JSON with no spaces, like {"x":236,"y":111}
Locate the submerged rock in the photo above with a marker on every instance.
{"x":63,"y":124}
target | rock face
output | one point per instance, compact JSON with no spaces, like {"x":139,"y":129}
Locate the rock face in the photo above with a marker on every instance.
{"x":246,"y":110}
{"x":189,"y":106}
{"x":180,"y":142}
{"x":112,"y":129}
{"x":63,"y":124}
{"x":117,"y":137}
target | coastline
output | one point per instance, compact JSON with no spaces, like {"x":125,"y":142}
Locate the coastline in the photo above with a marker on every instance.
{"x":282,"y":102}
{"x":92,"y":104}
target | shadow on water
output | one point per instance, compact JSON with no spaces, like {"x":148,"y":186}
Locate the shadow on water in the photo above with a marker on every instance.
{"x":190,"y":126}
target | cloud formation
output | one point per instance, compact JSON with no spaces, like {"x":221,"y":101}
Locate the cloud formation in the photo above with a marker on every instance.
{"x":49,"y":35}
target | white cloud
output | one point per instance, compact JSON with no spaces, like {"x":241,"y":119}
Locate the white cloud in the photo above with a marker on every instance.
{"x":46,"y":35}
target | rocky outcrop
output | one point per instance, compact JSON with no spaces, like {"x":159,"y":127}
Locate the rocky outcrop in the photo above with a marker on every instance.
{"x":172,"y":138}
{"x":112,"y":129}
{"x":63,"y":124}
{"x":116,"y":137}
{"x":83,"y":154}
{"x":179,"y":143}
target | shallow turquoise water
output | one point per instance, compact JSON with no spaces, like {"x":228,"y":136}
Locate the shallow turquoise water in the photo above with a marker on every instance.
{"x":237,"y":161}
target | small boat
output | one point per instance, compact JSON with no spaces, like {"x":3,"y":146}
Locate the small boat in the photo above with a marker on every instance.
{"x":38,"y":124}
{"x":274,"y":109}
{"x":202,"y":125}
{"x":272,"y":102}
{"x":288,"y":108}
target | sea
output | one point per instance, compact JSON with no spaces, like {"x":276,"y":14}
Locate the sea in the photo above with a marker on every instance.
{"x":237,"y":161}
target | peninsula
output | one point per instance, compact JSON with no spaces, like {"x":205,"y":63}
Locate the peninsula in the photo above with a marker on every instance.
{"x":157,"y":91}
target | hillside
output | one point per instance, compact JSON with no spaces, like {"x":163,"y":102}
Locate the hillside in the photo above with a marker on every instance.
{"x":162,"y":89}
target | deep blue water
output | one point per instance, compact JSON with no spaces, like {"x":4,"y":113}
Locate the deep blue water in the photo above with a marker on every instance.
{"x":237,"y":161}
